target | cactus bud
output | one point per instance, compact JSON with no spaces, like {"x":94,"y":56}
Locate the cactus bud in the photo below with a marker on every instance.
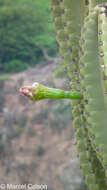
{"x":37,"y":92}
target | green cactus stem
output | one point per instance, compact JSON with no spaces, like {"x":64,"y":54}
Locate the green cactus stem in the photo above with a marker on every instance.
{"x":38,"y":92}
{"x":86,"y":65}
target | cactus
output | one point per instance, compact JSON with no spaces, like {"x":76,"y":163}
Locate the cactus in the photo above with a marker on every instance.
{"x":38,"y":92}
{"x":82,"y":44}
{"x":81,"y":32}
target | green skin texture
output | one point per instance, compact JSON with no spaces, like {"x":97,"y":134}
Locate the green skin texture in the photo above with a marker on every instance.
{"x":62,"y":33}
{"x":42,"y":92}
{"x":72,"y":17}
{"x":95,"y":110}
{"x":90,"y":112}
{"x":84,"y":8}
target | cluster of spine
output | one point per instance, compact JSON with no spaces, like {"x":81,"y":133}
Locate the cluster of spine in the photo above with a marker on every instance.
{"x":67,"y":34}
{"x":67,"y":26}
{"x":84,"y":55}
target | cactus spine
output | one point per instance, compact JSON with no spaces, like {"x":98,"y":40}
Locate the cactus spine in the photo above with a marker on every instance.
{"x":84,"y":55}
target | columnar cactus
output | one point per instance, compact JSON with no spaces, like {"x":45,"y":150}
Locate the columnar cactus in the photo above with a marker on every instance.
{"x":81,"y":32}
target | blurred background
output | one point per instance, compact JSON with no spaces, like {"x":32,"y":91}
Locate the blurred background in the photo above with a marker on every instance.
{"x":37,"y":143}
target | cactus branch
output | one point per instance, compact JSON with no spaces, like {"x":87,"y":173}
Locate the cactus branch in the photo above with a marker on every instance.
{"x":38,"y":92}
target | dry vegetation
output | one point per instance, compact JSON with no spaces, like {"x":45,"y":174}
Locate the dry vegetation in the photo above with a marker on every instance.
{"x":36,"y":139}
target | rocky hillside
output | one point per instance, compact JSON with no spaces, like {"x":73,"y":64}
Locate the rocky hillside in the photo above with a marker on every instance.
{"x":36,"y":139}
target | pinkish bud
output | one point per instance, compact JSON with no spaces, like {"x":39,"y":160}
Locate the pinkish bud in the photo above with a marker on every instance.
{"x":37,"y":91}
{"x":26,"y":91}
